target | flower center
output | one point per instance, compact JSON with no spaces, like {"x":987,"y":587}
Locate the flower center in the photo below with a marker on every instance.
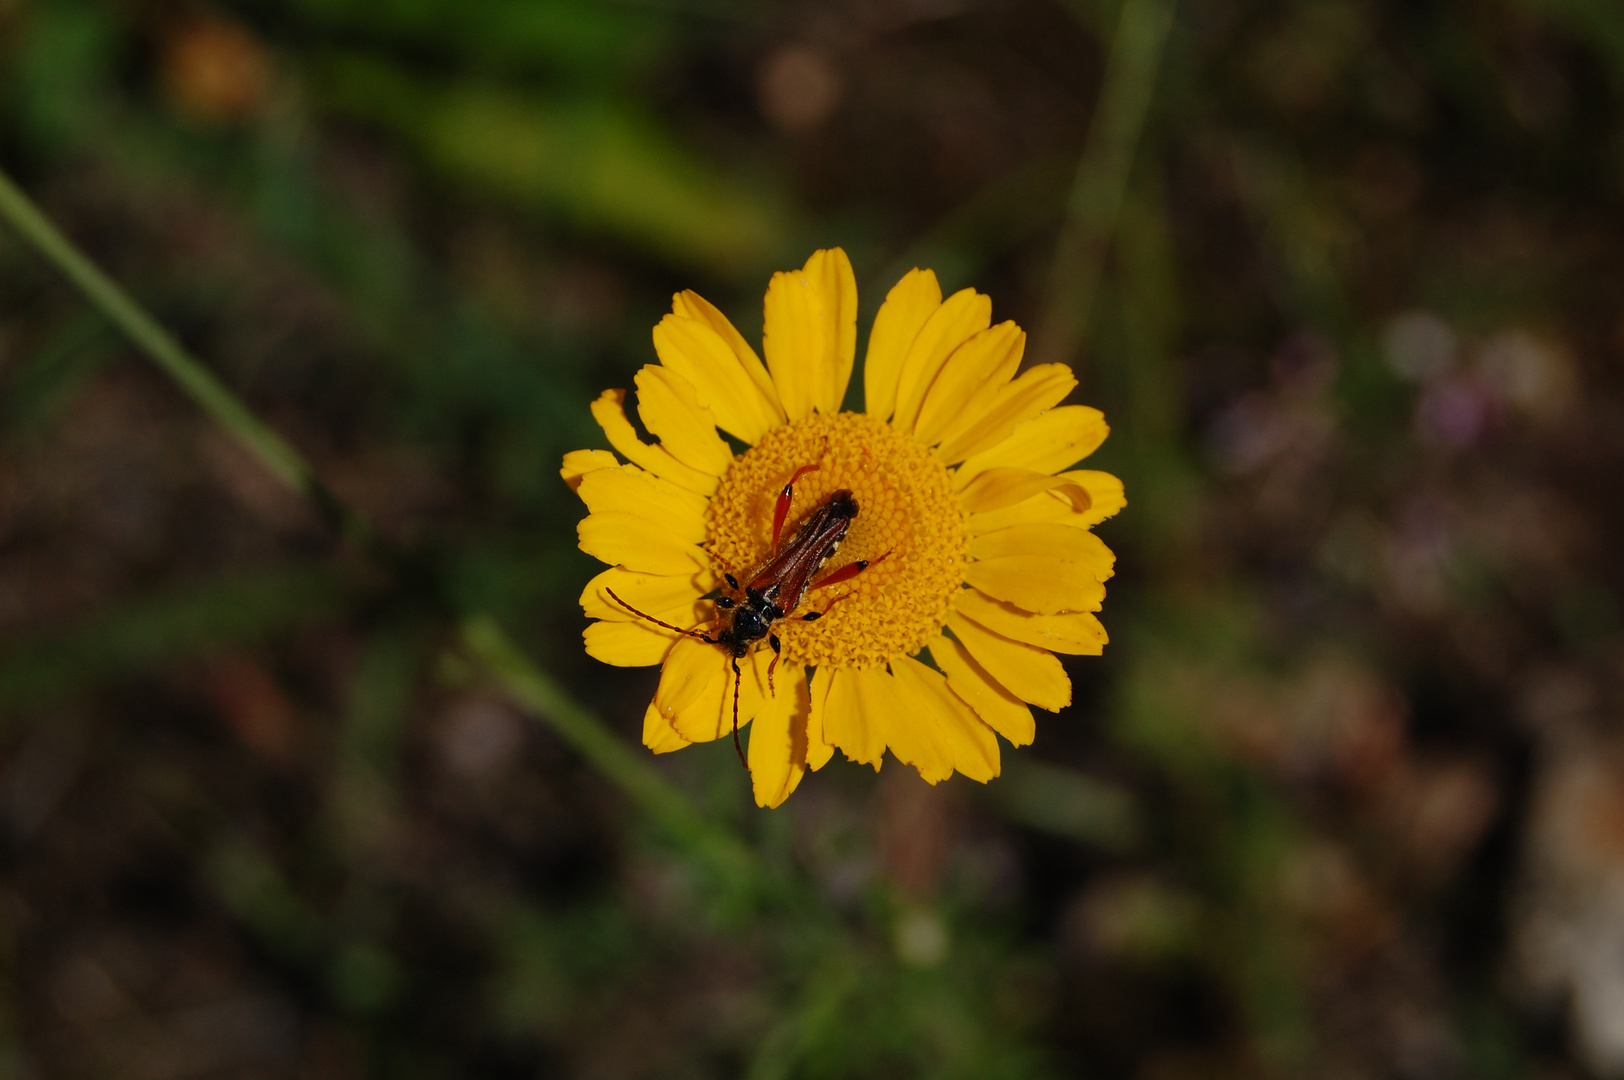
{"x":909,"y":526}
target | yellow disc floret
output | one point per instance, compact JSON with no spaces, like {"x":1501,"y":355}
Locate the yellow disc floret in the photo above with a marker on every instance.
{"x":909,"y":526}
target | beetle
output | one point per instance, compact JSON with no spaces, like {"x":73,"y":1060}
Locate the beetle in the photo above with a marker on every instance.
{"x":752,"y":612}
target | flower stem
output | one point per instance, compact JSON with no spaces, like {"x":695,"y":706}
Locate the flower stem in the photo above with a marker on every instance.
{"x":483,"y":640}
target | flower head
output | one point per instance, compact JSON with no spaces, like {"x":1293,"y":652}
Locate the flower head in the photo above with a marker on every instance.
{"x":968,"y":562}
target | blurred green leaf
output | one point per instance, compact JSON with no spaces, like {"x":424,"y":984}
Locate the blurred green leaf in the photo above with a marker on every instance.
{"x":365,"y":978}
{"x":380,"y":697}
{"x":1067,"y":803}
{"x":163,"y":628}
{"x":255,"y":891}
{"x":1011,"y":209}
{"x":1599,"y":23}
{"x":583,"y":39}
{"x":546,"y":958}
{"x":596,"y":164}
{"x":60,"y":73}
{"x":46,"y":382}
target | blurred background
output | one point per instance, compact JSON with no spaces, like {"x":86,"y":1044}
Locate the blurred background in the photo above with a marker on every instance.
{"x":1343,"y":798}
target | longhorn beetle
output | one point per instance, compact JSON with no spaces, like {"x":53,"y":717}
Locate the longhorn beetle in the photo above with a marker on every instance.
{"x":777,"y":588}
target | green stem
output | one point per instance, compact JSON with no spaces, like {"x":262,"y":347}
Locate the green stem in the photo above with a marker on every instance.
{"x":533,"y":688}
{"x":155,"y":341}
{"x":482,"y":638}
{"x":813,"y":1018}
{"x":530,"y":686}
{"x":1096,"y":196}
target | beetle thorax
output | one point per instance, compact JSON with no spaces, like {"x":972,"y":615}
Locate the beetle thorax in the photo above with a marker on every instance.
{"x":749,"y":622}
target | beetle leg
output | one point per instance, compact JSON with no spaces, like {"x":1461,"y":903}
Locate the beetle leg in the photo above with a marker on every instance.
{"x":847,"y":572}
{"x":772,"y":639}
{"x":813,"y":616}
{"x":736,"y":748}
{"x":785,"y":497}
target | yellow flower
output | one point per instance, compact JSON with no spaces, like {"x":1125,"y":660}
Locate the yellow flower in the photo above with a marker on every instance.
{"x":979,"y":550}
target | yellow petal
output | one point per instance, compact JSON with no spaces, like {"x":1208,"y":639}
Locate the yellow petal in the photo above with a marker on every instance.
{"x":1075,"y":633}
{"x":818,"y":748}
{"x":610,"y":412}
{"x":1047,"y":443}
{"x":1037,"y":390}
{"x":658,"y":734}
{"x":712,"y":715}
{"x":777,"y":754}
{"x":964,"y":742}
{"x":695,"y":351}
{"x":630,"y":490}
{"x":690,"y":305}
{"x":669,"y":407}
{"x":910,"y":302}
{"x":912,"y":724}
{"x":1105,"y":493}
{"x":691,"y":679}
{"x":672,"y":598}
{"x":577,"y":463}
{"x":840,"y":287}
{"x":998,"y":488}
{"x":627,"y":644}
{"x":810,"y":333}
{"x":1040,"y":508}
{"x":969,"y":381}
{"x":1046,"y":541}
{"x":1002,"y":711}
{"x":1030,"y":674}
{"x":1105,"y":498}
{"x":1044,"y":585}
{"x":854,"y":715}
{"x":638,"y":544}
{"x":963,"y":314}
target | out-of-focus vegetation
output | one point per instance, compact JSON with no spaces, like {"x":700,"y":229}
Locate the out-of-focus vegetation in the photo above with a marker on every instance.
{"x":1344,"y":797}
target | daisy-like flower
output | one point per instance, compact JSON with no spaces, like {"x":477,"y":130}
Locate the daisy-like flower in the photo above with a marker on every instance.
{"x":981,"y":565}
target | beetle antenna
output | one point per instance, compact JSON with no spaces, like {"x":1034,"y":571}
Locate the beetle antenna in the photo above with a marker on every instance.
{"x":736,"y":748}
{"x":707,"y":639}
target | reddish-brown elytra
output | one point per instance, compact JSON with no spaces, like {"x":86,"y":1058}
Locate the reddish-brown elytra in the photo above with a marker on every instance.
{"x":747,"y":615}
